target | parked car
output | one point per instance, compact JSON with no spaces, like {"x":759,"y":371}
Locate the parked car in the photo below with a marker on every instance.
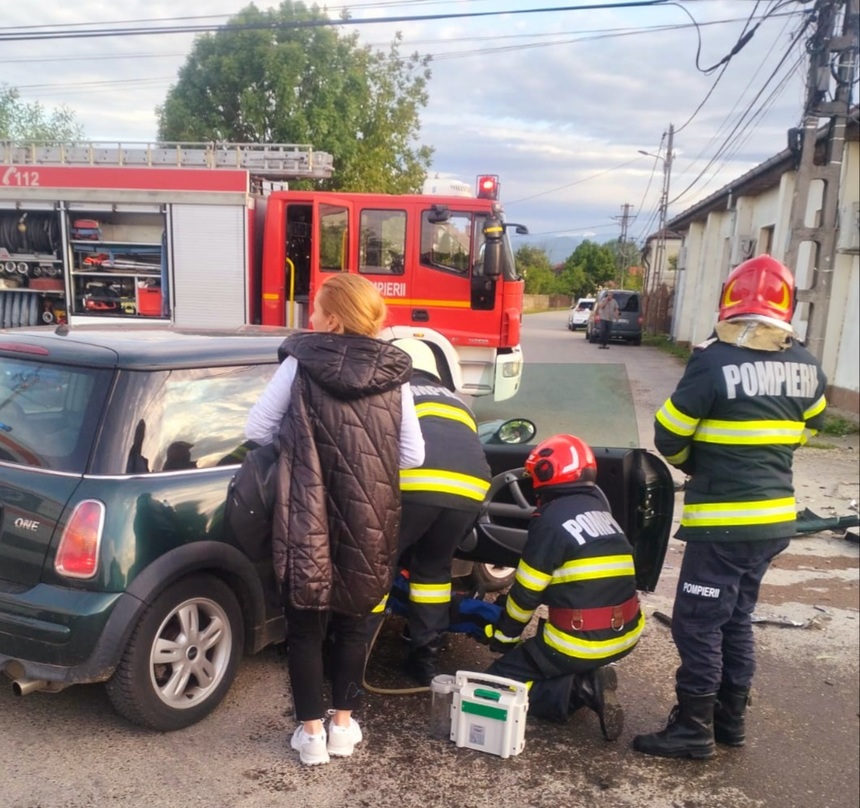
{"x":117,"y":448}
{"x":628,"y":328}
{"x":579,"y":311}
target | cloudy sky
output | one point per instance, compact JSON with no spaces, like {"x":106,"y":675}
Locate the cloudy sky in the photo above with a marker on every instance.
{"x":557,"y":102}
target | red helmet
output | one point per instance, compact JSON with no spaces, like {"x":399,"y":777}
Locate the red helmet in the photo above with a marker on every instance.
{"x":759,"y":286}
{"x":561,"y":460}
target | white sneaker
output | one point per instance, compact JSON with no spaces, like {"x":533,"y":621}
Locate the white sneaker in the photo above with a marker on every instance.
{"x":311,"y":748}
{"x":342,"y":740}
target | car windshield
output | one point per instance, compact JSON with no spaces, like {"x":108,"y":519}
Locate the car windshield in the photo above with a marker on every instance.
{"x":586,"y":304}
{"x":591,"y":401}
{"x":48,"y":413}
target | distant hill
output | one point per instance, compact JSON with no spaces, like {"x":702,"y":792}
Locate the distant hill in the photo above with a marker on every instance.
{"x":558,"y":248}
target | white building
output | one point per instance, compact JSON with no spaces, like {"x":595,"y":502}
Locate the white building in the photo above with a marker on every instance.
{"x":751,"y":216}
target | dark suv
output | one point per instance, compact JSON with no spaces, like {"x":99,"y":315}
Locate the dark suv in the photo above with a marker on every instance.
{"x":628,"y":328}
{"x":117,"y":447}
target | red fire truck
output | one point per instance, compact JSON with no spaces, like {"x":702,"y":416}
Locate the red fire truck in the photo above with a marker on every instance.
{"x":205,"y":235}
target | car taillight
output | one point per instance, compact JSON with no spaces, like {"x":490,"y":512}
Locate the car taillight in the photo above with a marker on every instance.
{"x":641,"y":319}
{"x":78,"y":553}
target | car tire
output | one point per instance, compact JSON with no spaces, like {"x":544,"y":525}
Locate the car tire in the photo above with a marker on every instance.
{"x":198,"y":620}
{"x":637,"y":341}
{"x":492,"y":578}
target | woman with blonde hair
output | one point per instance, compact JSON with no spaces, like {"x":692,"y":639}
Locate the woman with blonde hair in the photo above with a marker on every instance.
{"x":341,"y":412}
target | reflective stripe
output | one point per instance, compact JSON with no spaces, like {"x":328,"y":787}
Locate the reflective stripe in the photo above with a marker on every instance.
{"x":675,"y":421}
{"x":815,"y":409}
{"x":380,"y":607}
{"x":532,"y":579}
{"x":430,"y":593}
{"x":444,"y":482}
{"x":497,"y":635}
{"x":749,"y":433}
{"x":516,"y":612}
{"x":677,"y":459}
{"x":573,"y":646}
{"x":426,"y":408}
{"x":585,"y":569}
{"x":763,"y":512}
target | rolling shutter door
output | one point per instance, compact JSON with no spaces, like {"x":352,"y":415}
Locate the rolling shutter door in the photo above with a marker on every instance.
{"x":209,"y":276}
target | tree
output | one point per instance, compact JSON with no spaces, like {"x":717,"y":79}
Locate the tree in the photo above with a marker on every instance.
{"x":27,"y":122}
{"x":291,"y":82}
{"x":588,"y":267}
{"x":534,"y":265}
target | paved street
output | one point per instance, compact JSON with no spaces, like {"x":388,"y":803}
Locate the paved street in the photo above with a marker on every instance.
{"x":70,"y":750}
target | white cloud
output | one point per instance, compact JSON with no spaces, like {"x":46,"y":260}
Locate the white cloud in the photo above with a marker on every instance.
{"x":546,"y":119}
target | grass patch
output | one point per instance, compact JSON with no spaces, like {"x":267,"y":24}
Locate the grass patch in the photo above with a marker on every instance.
{"x":664,"y":343}
{"x":838,"y":426}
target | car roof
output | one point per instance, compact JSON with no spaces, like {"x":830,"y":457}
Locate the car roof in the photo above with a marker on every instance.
{"x":142,"y":348}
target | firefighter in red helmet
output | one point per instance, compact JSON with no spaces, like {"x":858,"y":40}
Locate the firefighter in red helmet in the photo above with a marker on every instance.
{"x":579,"y":563}
{"x":749,"y":396}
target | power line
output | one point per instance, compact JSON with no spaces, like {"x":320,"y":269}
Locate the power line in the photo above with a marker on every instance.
{"x":321,"y":22}
{"x":728,"y":141}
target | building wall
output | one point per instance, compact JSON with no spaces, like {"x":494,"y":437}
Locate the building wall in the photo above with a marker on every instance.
{"x":759,"y":223}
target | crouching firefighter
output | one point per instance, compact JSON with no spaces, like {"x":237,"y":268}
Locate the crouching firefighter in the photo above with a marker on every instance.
{"x":579,"y":563}
{"x":441,"y":502}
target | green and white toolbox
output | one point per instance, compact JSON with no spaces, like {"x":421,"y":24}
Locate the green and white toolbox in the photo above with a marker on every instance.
{"x":489,"y":713}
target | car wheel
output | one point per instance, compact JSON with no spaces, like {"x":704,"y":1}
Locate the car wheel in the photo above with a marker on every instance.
{"x":492,"y":578}
{"x":637,"y":341}
{"x":182,"y":656}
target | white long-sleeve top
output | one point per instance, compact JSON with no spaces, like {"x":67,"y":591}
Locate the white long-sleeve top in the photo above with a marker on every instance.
{"x":264,"y":418}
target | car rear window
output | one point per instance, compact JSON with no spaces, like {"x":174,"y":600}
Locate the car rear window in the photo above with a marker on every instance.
{"x":627,"y":301}
{"x":49,"y":413}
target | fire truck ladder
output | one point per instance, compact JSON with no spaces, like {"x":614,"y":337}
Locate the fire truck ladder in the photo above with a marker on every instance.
{"x":270,"y":160}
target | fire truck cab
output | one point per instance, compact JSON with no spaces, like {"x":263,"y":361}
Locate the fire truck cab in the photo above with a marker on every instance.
{"x":444,"y":265}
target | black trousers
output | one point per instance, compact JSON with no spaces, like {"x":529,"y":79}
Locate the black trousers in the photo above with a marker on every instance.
{"x":605,"y":331}
{"x":428,"y":537}
{"x":551,"y":673}
{"x":712,"y":618}
{"x":347,"y":647}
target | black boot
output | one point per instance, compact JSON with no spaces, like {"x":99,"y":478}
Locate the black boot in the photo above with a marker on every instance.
{"x":596,"y":690}
{"x":688,"y":733}
{"x":729,"y":710}
{"x":421,"y":663}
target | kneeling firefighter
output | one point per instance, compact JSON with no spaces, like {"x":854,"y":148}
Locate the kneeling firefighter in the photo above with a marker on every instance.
{"x":441,"y":502}
{"x":578,"y":562}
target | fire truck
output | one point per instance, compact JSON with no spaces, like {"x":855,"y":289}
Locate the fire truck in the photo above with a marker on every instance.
{"x":210,"y":235}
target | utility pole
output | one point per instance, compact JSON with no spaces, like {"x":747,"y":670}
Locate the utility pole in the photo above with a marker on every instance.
{"x":654,"y":275}
{"x":826,"y":51}
{"x":622,"y":242}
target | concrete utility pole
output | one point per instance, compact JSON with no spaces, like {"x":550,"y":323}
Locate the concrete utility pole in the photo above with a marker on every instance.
{"x":654,"y":274}
{"x":622,"y":242}
{"x":826,"y":52}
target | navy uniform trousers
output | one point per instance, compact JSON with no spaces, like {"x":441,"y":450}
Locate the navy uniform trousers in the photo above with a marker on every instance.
{"x":712,"y":618}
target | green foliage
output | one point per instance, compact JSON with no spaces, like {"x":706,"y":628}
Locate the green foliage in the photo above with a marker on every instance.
{"x":534,"y":265}
{"x":839,"y":426}
{"x":307,"y":85}
{"x":22,"y":122}
{"x":626,"y":256}
{"x":664,"y":343}
{"x":587,"y":268}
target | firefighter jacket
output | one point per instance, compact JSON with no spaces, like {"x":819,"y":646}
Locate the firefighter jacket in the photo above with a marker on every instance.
{"x":455,"y":473}
{"x":337,"y":514}
{"x":578,"y":562}
{"x":746,"y":401}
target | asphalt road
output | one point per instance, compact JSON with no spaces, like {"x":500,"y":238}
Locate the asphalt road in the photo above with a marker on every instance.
{"x":69,"y":750}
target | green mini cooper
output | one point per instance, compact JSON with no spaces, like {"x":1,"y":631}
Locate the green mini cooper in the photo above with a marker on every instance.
{"x":117,"y":447}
